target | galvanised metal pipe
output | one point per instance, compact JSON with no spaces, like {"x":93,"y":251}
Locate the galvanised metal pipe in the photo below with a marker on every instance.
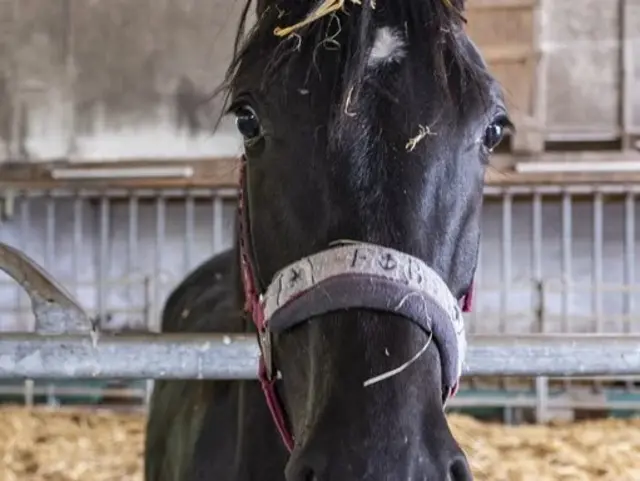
{"x":233,"y":356}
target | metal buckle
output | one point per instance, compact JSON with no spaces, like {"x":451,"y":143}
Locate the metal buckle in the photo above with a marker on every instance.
{"x":264,"y":340}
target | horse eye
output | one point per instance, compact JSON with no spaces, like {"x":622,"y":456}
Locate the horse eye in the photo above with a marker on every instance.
{"x":493,"y":135}
{"x":247,"y":123}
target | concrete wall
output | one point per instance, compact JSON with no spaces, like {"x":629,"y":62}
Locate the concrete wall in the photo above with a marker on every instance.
{"x":105,"y":79}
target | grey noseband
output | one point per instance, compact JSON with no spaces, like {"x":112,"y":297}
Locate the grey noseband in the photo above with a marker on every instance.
{"x":369,"y":276}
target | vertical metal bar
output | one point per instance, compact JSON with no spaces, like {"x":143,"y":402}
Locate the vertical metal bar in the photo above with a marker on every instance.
{"x":160,"y":251}
{"x":189,"y":216}
{"x":149,"y":322}
{"x":49,"y":232}
{"x":132,"y":247}
{"x":217,"y":223}
{"x":536,"y":251}
{"x":629,"y":258}
{"x":25,"y":236}
{"x":506,"y":259}
{"x":25,"y":222}
{"x":597,"y":261}
{"x":629,"y":269}
{"x":78,"y":221}
{"x":567,"y":258}
{"x":103,"y":270}
{"x":478,"y":286}
{"x":505,"y":281}
{"x":541,"y":383}
{"x":155,"y":324}
{"x":49,"y":253}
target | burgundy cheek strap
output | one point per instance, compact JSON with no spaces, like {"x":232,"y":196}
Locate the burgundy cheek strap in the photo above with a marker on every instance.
{"x":349,"y":276}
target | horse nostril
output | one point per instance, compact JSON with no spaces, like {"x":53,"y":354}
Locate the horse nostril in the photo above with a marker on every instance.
{"x":459,"y":469}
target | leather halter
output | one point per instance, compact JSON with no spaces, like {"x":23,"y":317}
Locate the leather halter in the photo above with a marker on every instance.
{"x":353,"y":275}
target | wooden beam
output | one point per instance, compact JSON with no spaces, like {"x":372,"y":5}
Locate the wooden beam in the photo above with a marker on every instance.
{"x":222,"y":173}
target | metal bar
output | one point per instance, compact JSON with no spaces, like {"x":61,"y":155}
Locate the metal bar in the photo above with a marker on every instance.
{"x":505,"y":263}
{"x":505,"y":269}
{"x":25,"y":235}
{"x":132,"y":244}
{"x":77,"y":242}
{"x":576,"y":167}
{"x":597,"y":254}
{"x":160,"y":251}
{"x":629,"y":267}
{"x":567,"y":258}
{"x":629,"y":256}
{"x":189,"y":232}
{"x":597,"y":261}
{"x":232,"y":194}
{"x":541,"y":383}
{"x":217,"y":223}
{"x":49,"y":233}
{"x":128,"y":173}
{"x":233,"y":356}
{"x":103,"y":262}
{"x":25,"y":224}
{"x":49,"y":253}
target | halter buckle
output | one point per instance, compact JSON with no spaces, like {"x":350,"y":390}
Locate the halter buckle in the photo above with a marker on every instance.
{"x":264,"y":341}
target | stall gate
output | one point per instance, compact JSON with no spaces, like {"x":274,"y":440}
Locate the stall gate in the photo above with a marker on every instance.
{"x":552,"y":260}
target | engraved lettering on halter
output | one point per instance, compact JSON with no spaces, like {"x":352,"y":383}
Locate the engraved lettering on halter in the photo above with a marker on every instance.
{"x":387,"y":261}
{"x":414,"y":272}
{"x":357,"y":256}
{"x":295,"y":276}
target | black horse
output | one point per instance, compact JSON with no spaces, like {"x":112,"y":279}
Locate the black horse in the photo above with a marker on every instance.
{"x":365,"y":122}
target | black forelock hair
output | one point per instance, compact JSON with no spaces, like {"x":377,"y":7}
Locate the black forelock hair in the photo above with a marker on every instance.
{"x":433,"y":25}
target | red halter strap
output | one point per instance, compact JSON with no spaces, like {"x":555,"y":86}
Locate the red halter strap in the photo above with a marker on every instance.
{"x":254,"y":306}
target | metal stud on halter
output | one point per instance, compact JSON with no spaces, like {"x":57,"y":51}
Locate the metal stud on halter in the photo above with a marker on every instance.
{"x":55,"y":309}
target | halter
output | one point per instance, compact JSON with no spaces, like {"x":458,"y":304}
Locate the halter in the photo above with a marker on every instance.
{"x":353,"y":275}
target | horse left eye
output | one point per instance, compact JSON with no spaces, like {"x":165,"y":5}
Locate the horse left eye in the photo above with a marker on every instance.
{"x":493,"y":135}
{"x":247,"y":123}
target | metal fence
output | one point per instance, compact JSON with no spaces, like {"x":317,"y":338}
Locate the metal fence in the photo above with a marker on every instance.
{"x":553,"y":260}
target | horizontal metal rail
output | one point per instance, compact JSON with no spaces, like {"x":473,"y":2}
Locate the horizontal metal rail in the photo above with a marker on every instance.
{"x":221,"y":356}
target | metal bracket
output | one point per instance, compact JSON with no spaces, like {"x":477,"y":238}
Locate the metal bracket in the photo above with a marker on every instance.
{"x":55,"y":309}
{"x":266,"y":349}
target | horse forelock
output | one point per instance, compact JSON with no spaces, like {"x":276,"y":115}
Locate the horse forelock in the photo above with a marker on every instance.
{"x":368,"y":35}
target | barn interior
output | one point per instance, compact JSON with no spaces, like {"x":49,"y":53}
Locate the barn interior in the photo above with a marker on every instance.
{"x":108,"y":165}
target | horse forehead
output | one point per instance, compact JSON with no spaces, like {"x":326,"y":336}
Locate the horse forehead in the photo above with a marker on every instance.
{"x":389,"y":46}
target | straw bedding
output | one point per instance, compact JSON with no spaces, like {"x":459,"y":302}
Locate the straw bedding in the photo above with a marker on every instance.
{"x":39,"y":445}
